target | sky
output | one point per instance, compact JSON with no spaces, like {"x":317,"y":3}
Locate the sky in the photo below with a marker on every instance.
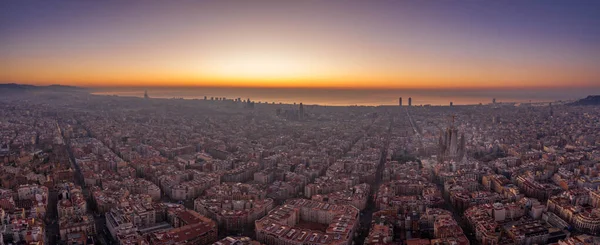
{"x":326,"y":44}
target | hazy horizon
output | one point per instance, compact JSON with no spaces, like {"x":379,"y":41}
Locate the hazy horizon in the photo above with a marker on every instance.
{"x":370,"y":97}
{"x":347,"y":96}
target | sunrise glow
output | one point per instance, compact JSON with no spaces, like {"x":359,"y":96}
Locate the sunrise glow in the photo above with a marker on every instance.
{"x":334,"y":45}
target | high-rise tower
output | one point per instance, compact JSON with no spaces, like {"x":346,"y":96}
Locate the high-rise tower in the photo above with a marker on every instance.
{"x":409,"y":101}
{"x":301,"y":112}
{"x":400,"y":101}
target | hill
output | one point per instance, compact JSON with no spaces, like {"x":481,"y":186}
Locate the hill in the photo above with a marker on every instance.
{"x":24,"y":87}
{"x":590,"y":100}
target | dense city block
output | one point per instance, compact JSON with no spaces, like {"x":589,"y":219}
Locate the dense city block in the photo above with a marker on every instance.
{"x":79,"y":168}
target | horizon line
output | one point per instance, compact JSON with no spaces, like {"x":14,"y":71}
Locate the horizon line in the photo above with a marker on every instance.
{"x":337,"y":105}
{"x":373,"y":88}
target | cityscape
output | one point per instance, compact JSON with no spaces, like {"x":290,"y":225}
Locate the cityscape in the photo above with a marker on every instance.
{"x":92,"y":169}
{"x":108,"y":137}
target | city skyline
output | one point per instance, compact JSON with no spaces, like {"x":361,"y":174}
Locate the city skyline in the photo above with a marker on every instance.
{"x":269,"y":122}
{"x":264,"y":44}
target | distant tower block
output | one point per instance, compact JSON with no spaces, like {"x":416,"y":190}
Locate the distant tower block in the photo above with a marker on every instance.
{"x":301,"y":112}
{"x":409,"y":101}
{"x":146,"y":94}
{"x":451,"y":103}
{"x":494,"y":101}
{"x":400,"y":101}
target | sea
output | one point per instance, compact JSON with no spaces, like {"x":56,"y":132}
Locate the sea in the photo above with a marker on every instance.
{"x":364,"y":97}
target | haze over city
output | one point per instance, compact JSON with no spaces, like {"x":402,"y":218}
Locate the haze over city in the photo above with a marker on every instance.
{"x":299,"y":122}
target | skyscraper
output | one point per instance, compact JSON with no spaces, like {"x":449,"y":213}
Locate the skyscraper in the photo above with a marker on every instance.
{"x":301,"y":112}
{"x":409,"y":101}
{"x":400,"y":101}
{"x":146,"y":94}
{"x":451,"y":103}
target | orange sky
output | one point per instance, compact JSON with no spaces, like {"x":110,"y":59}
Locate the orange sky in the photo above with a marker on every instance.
{"x":294,"y":45}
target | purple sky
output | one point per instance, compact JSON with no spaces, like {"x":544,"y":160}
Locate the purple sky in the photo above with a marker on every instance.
{"x":415,"y":44}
